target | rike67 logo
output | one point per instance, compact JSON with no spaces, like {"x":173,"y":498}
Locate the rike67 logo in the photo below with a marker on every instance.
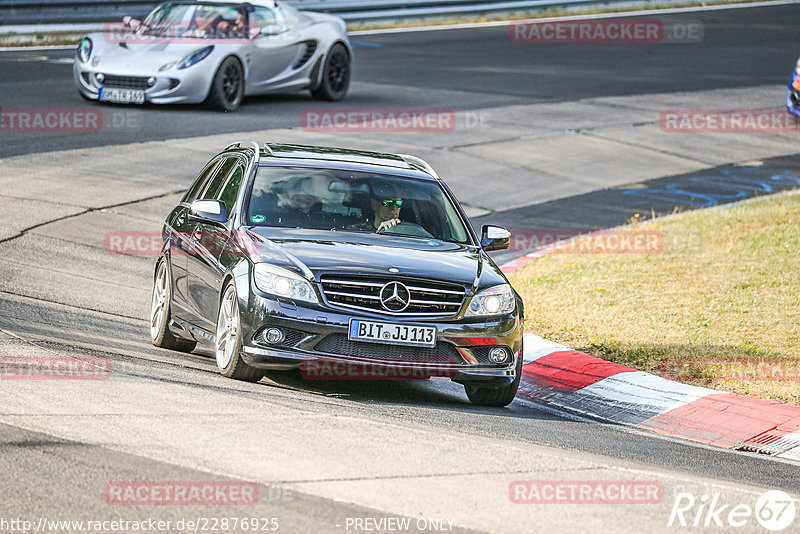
{"x":774,"y":510}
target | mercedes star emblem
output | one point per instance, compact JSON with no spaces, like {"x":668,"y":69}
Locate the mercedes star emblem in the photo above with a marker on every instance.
{"x":395,"y":296}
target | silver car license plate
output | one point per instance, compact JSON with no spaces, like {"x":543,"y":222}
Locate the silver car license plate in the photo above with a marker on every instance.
{"x":122,"y":96}
{"x":396,"y":334}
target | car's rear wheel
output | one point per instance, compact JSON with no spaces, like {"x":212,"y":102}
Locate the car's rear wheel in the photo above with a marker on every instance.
{"x":497,"y":397}
{"x":161,"y":313}
{"x":335,"y":75}
{"x":228,"y":341}
{"x":227,"y":87}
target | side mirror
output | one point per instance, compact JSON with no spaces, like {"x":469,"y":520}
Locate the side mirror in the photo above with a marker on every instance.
{"x":209,"y":211}
{"x":494,"y":238}
{"x":131,"y":22}
{"x":269,"y":30}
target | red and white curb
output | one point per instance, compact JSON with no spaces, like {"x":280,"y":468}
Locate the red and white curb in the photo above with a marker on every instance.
{"x":578,"y":383}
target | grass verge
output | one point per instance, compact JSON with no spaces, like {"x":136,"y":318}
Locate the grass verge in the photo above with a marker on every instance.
{"x":719,"y":310}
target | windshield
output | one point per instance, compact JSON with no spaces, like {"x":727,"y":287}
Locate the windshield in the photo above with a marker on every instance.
{"x":195,"y":20}
{"x":327,"y":199}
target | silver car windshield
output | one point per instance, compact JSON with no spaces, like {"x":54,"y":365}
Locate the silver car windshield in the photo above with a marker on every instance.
{"x":328,"y":199}
{"x":205,"y":21}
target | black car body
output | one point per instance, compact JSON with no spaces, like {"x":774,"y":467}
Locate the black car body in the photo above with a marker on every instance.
{"x":270,"y":255}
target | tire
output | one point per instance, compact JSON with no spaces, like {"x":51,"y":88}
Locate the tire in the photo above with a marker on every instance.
{"x":496,"y":397}
{"x":227,"y":87}
{"x":335,"y":75}
{"x":228,"y":341}
{"x":161,"y":313}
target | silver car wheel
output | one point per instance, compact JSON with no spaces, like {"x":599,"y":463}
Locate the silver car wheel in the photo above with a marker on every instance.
{"x":227,"y":329}
{"x":159,"y":302}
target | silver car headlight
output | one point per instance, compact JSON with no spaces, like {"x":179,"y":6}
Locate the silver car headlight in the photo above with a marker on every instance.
{"x":283,"y":283}
{"x":195,"y":57}
{"x":85,"y":50}
{"x":497,"y":300}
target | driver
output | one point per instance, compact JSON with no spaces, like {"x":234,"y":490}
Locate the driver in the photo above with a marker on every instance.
{"x":386,"y":206}
{"x":387,"y":212}
{"x":232,"y":28}
{"x":205,"y":21}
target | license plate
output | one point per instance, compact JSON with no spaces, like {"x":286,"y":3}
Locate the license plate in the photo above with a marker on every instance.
{"x":122,"y":96}
{"x":395,"y":334}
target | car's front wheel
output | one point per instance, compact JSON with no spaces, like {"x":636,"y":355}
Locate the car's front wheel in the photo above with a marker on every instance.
{"x":228,"y":342}
{"x":227,"y":87}
{"x":335,"y":75}
{"x":161,"y":313}
{"x":498,"y":396}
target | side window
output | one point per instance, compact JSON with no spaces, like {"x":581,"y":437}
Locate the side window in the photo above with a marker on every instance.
{"x":231,"y":188}
{"x":265,"y":16}
{"x":194,"y":191}
{"x":216,"y":183}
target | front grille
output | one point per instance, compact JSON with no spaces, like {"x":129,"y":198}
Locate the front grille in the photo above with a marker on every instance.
{"x":426,"y":298}
{"x":311,"y":47}
{"x":125,"y":82}
{"x":442,"y":353}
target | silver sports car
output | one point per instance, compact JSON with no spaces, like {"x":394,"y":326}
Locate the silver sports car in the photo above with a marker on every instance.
{"x":215,"y":52}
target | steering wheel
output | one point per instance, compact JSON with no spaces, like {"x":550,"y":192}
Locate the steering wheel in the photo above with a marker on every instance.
{"x":407,"y":228}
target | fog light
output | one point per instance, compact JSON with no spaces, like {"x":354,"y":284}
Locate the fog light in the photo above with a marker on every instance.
{"x":151,"y":81}
{"x":100,"y":77}
{"x":273,"y":335}
{"x":500,"y":355}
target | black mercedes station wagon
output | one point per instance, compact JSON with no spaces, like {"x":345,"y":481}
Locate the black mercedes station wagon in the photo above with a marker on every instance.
{"x":345,"y":264}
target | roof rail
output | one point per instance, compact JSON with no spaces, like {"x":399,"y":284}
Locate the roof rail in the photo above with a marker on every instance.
{"x":244,"y":144}
{"x":422,"y":163}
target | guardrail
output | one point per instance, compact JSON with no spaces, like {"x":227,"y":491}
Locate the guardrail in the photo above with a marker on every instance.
{"x":45,"y":12}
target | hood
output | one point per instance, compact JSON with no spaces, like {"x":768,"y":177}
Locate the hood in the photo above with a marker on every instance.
{"x":322,"y":251}
{"x":149,"y":54}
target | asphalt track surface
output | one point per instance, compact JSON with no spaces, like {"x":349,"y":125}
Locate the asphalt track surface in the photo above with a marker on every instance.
{"x":454,"y":69}
{"x":741,"y":48}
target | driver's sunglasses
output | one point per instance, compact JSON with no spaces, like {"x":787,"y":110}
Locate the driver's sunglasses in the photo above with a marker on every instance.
{"x":391,"y":203}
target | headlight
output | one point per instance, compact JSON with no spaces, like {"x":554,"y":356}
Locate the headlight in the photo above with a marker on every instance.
{"x":282,"y":283}
{"x":85,"y":50}
{"x":195,"y":57}
{"x":497,"y":300}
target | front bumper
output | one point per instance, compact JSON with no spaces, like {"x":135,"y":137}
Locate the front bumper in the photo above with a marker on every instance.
{"x":172,"y":86}
{"x":461,"y":353}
